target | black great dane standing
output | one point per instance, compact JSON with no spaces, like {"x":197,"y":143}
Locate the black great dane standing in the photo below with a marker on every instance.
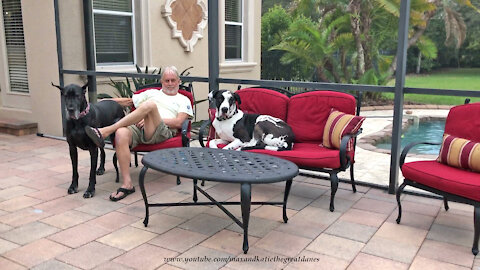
{"x":80,"y":113}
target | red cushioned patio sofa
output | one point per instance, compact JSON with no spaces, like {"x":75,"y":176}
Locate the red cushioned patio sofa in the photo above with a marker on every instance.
{"x":307,"y":114}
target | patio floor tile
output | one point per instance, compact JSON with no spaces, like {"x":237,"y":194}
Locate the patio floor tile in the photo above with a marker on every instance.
{"x":113,"y":221}
{"x":90,"y":255}
{"x":23,"y":216}
{"x":282,"y":243}
{"x":48,"y":194}
{"x":390,"y":249}
{"x":179,"y":240}
{"x":67,"y":219}
{"x":18,"y":203}
{"x":206,"y":224}
{"x":341,"y":205}
{"x":420,"y":208}
{"x":127,"y":238}
{"x":78,"y":235}
{"x":60,"y":205}
{"x":301,"y":227}
{"x":28,"y":233}
{"x":199,"y":258}
{"x":402,"y":234}
{"x":258,"y":227}
{"x":145,"y":257}
{"x":445,"y":252}
{"x":453,"y":220}
{"x":375,"y":206}
{"x":36,"y":252}
{"x":54,"y":264}
{"x":366,"y":261}
{"x":364,"y":217}
{"x":256,"y":258}
{"x":7,"y":264}
{"x":421,"y":263}
{"x":14,"y":191}
{"x":337,"y":247}
{"x":419,"y":221}
{"x":228,"y":241}
{"x":159,"y":223}
{"x":6,"y":246}
{"x":321,"y":262}
{"x":353,"y":231}
{"x":271,"y":212}
{"x":450,"y":235}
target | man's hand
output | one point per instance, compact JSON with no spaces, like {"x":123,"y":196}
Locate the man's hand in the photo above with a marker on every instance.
{"x":124,"y":102}
{"x":140,"y":124}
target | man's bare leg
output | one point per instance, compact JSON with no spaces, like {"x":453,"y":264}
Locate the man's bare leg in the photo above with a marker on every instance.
{"x":148,"y":111}
{"x":123,"y":137}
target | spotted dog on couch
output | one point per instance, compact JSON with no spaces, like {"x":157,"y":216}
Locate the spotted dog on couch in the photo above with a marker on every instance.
{"x":244,"y":131}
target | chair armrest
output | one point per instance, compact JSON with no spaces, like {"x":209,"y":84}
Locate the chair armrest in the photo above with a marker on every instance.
{"x":344,"y":158}
{"x":184,"y":130}
{"x":407,"y":148}
{"x":202,"y":130}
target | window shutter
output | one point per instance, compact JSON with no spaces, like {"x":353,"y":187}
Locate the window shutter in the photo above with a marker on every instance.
{"x":14,"y":38}
{"x":113,"y":21}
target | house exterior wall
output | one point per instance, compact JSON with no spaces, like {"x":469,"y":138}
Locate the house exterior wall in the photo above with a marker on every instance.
{"x":42,"y":104}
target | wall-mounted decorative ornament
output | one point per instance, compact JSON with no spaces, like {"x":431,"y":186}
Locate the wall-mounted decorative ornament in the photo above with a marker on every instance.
{"x":187,"y":18}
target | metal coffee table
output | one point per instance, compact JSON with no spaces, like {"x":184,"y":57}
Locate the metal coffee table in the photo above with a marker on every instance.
{"x":220,"y":165}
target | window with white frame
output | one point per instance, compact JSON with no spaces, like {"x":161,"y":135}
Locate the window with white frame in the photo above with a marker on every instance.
{"x":15,"y":45}
{"x":233,"y":29}
{"x":114,"y":24}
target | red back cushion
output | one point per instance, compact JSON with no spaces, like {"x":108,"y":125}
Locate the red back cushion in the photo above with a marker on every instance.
{"x":263,"y":101}
{"x":308,"y":112}
{"x":463,"y":121}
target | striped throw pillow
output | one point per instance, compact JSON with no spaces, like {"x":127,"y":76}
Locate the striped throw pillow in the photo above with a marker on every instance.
{"x":339,"y":124}
{"x":460,"y":153}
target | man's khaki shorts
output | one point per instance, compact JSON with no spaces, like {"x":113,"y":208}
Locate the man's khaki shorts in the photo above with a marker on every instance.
{"x":161,"y":134}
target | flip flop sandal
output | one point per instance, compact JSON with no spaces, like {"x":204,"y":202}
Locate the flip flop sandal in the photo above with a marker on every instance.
{"x":95,"y":135}
{"x":125,"y":192}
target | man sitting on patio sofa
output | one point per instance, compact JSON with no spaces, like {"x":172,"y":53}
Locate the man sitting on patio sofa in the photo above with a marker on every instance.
{"x":158,"y":116}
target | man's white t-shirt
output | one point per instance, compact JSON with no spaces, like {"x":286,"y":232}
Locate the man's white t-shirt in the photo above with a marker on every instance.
{"x":168,"y":106}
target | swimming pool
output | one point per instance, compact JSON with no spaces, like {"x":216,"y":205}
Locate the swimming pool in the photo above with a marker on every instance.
{"x":424,"y":131}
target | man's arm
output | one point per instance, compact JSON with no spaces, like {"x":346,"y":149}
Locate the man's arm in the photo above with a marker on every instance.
{"x":176,"y":123}
{"x":124,"y":102}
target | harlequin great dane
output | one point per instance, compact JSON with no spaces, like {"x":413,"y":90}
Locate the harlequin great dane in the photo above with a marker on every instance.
{"x":243,"y":131}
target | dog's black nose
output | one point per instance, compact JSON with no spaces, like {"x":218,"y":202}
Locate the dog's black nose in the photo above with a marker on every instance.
{"x":224,"y":110}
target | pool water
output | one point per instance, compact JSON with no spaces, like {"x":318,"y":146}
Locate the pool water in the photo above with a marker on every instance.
{"x":425,"y":131}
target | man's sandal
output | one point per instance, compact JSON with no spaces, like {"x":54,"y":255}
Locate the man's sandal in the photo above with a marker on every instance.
{"x":125,"y":192}
{"x":95,"y":135}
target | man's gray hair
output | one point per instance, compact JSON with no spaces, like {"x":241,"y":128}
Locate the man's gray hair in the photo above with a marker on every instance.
{"x":170,"y":69}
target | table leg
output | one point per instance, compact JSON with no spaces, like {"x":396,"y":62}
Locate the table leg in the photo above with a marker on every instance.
{"x":141,"y":180}
{"x":245,"y":200}
{"x":288,"y":185}
{"x":195,"y":197}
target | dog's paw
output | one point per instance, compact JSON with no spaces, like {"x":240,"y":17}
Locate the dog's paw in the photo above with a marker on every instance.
{"x":89,"y":194}
{"x":72,"y":189}
{"x":100,"y":171}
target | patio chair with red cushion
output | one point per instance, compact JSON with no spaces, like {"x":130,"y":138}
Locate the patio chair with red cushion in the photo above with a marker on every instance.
{"x":455,"y":174}
{"x":182,"y":139}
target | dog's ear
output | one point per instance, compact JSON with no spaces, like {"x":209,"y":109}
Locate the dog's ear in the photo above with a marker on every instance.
{"x":237,"y":98}
{"x":59,"y":87}
{"x":84,"y":88}
{"x":212,"y":95}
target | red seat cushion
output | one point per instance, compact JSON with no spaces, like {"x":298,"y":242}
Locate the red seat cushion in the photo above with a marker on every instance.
{"x":170,"y":143}
{"x":308,"y":155}
{"x":443,"y":177}
{"x":263,"y":101}
{"x":308,"y":112}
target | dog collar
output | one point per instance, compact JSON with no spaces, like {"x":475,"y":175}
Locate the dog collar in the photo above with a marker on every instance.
{"x":83,"y":113}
